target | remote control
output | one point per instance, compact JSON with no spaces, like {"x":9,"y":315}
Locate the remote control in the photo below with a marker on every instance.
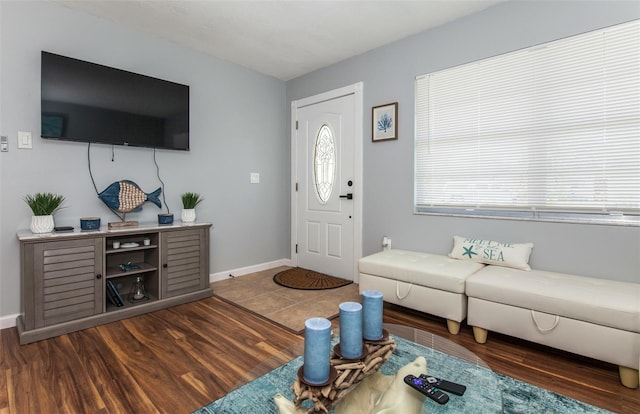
{"x":427,"y":389}
{"x":444,"y":385}
{"x":63,"y":228}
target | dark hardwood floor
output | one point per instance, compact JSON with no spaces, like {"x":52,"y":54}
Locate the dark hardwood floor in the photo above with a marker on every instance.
{"x":179,"y":359}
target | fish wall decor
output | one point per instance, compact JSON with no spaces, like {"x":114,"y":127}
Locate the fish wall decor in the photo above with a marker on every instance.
{"x":125,"y":196}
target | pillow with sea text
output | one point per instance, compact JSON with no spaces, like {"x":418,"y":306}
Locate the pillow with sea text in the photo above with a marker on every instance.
{"x":492,"y":252}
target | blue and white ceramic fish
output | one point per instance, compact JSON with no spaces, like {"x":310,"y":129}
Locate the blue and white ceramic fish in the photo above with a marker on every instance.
{"x":125,"y":196}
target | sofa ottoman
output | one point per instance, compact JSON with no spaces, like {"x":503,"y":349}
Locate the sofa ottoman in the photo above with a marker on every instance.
{"x":425,"y":282}
{"x":597,"y":318}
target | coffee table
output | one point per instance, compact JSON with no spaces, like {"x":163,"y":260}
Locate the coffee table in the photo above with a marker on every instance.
{"x":445,"y":359}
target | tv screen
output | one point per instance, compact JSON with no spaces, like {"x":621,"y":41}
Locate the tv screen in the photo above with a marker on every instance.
{"x":87,"y":102}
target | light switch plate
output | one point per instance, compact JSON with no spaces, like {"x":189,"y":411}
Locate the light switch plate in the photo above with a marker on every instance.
{"x":24,"y":140}
{"x":4,"y":144}
{"x":254,"y":178}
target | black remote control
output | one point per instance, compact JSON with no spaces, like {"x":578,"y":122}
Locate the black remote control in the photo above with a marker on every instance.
{"x":63,"y":228}
{"x":427,"y":389}
{"x":444,"y":385}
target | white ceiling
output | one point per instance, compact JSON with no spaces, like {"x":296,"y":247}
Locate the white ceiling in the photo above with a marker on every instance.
{"x":284,"y":39}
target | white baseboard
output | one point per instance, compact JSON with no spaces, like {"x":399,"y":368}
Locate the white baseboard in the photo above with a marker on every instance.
{"x":8,"y":321}
{"x":214,"y":277}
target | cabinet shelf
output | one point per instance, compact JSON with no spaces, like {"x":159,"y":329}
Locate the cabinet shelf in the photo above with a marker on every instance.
{"x":115,"y":271}
{"x":127,"y":305}
{"x":131,"y":249}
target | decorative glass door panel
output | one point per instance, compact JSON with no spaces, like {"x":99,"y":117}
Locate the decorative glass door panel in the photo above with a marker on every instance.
{"x":324,"y":162}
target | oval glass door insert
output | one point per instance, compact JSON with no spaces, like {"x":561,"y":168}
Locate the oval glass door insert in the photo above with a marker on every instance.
{"x":324,"y":163}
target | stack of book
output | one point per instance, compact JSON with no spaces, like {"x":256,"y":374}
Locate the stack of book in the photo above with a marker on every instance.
{"x":113,"y":294}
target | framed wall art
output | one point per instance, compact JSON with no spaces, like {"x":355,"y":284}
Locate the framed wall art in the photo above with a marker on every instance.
{"x":385,"y":122}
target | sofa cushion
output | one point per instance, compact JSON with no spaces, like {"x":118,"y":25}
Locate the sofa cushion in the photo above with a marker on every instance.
{"x":600,"y":301}
{"x":492,"y":252}
{"x":432,"y":270}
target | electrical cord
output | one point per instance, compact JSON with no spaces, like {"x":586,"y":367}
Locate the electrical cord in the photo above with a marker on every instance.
{"x":90,"y":173}
{"x":94,"y":182}
{"x":160,"y":179}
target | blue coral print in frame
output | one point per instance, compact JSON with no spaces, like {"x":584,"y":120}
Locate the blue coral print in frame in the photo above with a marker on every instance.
{"x":385,"y":122}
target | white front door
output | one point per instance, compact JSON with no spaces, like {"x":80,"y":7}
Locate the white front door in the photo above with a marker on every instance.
{"x":327,"y":173}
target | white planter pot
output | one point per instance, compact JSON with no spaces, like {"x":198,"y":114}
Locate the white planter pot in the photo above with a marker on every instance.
{"x":188,"y":215}
{"x":42,"y":224}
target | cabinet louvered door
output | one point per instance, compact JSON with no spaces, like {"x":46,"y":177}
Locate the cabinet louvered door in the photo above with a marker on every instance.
{"x":67,"y":280}
{"x":185,"y":265}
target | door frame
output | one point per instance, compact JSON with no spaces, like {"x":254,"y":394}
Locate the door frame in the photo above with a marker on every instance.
{"x":357,"y":91}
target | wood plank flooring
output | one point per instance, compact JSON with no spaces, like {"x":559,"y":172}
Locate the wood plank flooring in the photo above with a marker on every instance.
{"x":179,"y":359}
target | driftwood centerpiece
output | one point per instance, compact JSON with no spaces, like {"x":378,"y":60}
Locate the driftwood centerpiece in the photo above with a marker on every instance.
{"x":349,"y":374}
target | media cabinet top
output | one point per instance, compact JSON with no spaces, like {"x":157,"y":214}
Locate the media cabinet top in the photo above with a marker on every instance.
{"x":28,"y":236}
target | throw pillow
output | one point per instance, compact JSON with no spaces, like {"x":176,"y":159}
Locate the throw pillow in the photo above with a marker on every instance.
{"x":492,"y":252}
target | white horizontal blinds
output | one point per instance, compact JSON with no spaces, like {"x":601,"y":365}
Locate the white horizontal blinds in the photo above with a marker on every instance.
{"x":553,"y":128}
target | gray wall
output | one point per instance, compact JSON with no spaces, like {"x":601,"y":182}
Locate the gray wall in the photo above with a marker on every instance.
{"x":237,"y":127}
{"x":388,"y":74}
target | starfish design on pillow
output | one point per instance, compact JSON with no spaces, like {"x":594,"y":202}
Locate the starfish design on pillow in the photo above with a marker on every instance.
{"x":469,"y":251}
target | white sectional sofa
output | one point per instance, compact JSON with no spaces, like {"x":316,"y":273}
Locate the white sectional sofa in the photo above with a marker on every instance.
{"x":593,"y":317}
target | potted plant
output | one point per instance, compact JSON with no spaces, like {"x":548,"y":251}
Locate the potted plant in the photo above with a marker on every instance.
{"x":189,"y":203}
{"x":43,"y":205}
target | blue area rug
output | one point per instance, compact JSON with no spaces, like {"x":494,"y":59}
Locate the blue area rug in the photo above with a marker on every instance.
{"x":487,"y":392}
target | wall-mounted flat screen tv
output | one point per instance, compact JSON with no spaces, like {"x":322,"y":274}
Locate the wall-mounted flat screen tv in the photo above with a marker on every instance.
{"x":87,"y":102}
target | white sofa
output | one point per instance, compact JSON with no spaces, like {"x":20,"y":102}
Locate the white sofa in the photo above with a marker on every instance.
{"x":425,"y":282}
{"x":593,"y":317}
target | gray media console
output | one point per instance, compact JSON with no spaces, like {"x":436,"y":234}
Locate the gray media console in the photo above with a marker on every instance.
{"x":76,"y":280}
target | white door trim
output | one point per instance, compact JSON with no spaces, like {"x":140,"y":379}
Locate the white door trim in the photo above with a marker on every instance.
{"x":356,"y":90}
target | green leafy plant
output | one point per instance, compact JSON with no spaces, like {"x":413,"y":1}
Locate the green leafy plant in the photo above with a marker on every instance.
{"x":44,"y":204}
{"x":191,"y":200}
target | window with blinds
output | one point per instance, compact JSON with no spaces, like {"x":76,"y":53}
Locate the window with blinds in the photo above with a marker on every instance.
{"x":548,"y":131}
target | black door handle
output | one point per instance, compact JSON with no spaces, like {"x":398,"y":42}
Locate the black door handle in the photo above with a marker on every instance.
{"x":349,"y":196}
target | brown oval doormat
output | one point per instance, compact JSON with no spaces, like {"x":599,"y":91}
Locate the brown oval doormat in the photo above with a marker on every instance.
{"x":299,"y":278}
